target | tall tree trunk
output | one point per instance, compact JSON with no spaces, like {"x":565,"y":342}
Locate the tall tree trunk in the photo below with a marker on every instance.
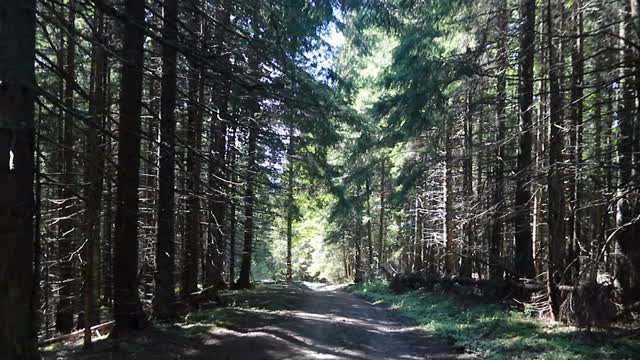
{"x":107,"y":238}
{"x":496,"y":240}
{"x":41,"y":248}
{"x":358,"y":273}
{"x":17,"y":96}
{"x":575,"y":151}
{"x":598,"y":209}
{"x":107,"y":267}
{"x":452,"y":257}
{"x":290,"y":206}
{"x":40,"y":283}
{"x":522,"y":219}
{"x":232,"y":207}
{"x":64,"y":311}
{"x":634,"y":12}
{"x":555,"y":176}
{"x":628,"y":257}
{"x":381,"y":226}
{"x":95,"y":173}
{"x":253,"y":127}
{"x":244,"y":281}
{"x":149,"y":186}
{"x":540,"y":232}
{"x":369,"y":230}
{"x":467,"y":188}
{"x":480,"y":192}
{"x":164,"y":299}
{"x":417,"y":238}
{"x":127,"y":308}
{"x":217,"y":167}
{"x":194,"y":129}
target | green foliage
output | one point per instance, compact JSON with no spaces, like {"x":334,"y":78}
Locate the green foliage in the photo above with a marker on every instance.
{"x":311,"y":256}
{"x":496,"y":332}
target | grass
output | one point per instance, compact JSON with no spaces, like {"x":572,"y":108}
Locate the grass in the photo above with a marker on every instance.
{"x":494,"y":331}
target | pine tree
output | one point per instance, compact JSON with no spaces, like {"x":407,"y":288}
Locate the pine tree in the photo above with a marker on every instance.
{"x":164,"y":298}
{"x":17,"y":95}
{"x":523,"y":233}
{"x":127,"y":308}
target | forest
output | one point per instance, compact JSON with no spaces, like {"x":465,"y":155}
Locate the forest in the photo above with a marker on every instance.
{"x":169,"y":163}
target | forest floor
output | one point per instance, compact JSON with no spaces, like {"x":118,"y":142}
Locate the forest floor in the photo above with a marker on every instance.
{"x":277,"y":321}
{"x":490,"y":330}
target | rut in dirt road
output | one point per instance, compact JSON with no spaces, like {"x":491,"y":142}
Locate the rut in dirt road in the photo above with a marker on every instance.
{"x":324,"y":323}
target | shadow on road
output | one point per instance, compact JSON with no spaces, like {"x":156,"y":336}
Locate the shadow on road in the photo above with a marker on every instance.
{"x":277,"y":321}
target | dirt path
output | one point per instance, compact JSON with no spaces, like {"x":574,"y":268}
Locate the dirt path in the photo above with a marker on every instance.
{"x":331,"y":324}
{"x":310,"y":321}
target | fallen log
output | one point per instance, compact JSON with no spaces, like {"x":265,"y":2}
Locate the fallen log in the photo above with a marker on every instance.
{"x":419,"y":280}
{"x":584,"y":305}
{"x":100,"y":329}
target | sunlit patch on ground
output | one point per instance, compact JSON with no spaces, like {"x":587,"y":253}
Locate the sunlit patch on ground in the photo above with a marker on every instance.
{"x":297,"y":321}
{"x":493,"y":331}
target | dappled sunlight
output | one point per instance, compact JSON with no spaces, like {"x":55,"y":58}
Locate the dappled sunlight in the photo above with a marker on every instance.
{"x":12,"y":165}
{"x":300,"y":324}
{"x":487,"y":330}
{"x":230,"y":179}
{"x":321,"y":324}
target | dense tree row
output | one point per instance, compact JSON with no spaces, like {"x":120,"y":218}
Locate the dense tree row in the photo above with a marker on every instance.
{"x":157,"y":124}
{"x":181,"y":147}
{"x":511,"y":129}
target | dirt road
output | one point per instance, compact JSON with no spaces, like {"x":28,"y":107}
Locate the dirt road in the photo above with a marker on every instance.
{"x":310,"y":321}
{"x":325,"y":323}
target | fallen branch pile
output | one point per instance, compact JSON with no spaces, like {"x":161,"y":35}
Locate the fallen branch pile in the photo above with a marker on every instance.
{"x":97,"y":330}
{"x":587,"y":305}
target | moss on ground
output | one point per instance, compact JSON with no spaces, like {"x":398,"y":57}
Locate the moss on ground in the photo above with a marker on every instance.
{"x":494,"y":331}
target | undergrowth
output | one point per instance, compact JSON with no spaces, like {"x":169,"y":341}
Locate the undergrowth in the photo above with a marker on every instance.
{"x":494,"y":331}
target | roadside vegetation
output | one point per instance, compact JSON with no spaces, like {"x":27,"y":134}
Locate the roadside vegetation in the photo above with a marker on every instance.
{"x":496,"y":331}
{"x":258,"y":306}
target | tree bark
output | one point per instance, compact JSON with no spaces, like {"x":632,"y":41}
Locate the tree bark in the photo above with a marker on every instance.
{"x":107,"y":233}
{"x":598,"y":210}
{"x":244,"y":281}
{"x":555,"y":175}
{"x":127,"y":308}
{"x":95,"y":173}
{"x":417,"y":236}
{"x":522,"y":219}
{"x":64,"y":310}
{"x":17,"y":96}
{"x":194,"y":129}
{"x":107,"y":267}
{"x":628,"y":252}
{"x":369,"y":227}
{"x":219,"y":200}
{"x":164,"y":299}
{"x":357,"y":237}
{"x":496,"y":240}
{"x":575,"y":152}
{"x":381,"y":226}
{"x":452,"y":258}
{"x":232,"y":207}
{"x":290,"y":206}
{"x":253,"y":127}
{"x":467,"y":189}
